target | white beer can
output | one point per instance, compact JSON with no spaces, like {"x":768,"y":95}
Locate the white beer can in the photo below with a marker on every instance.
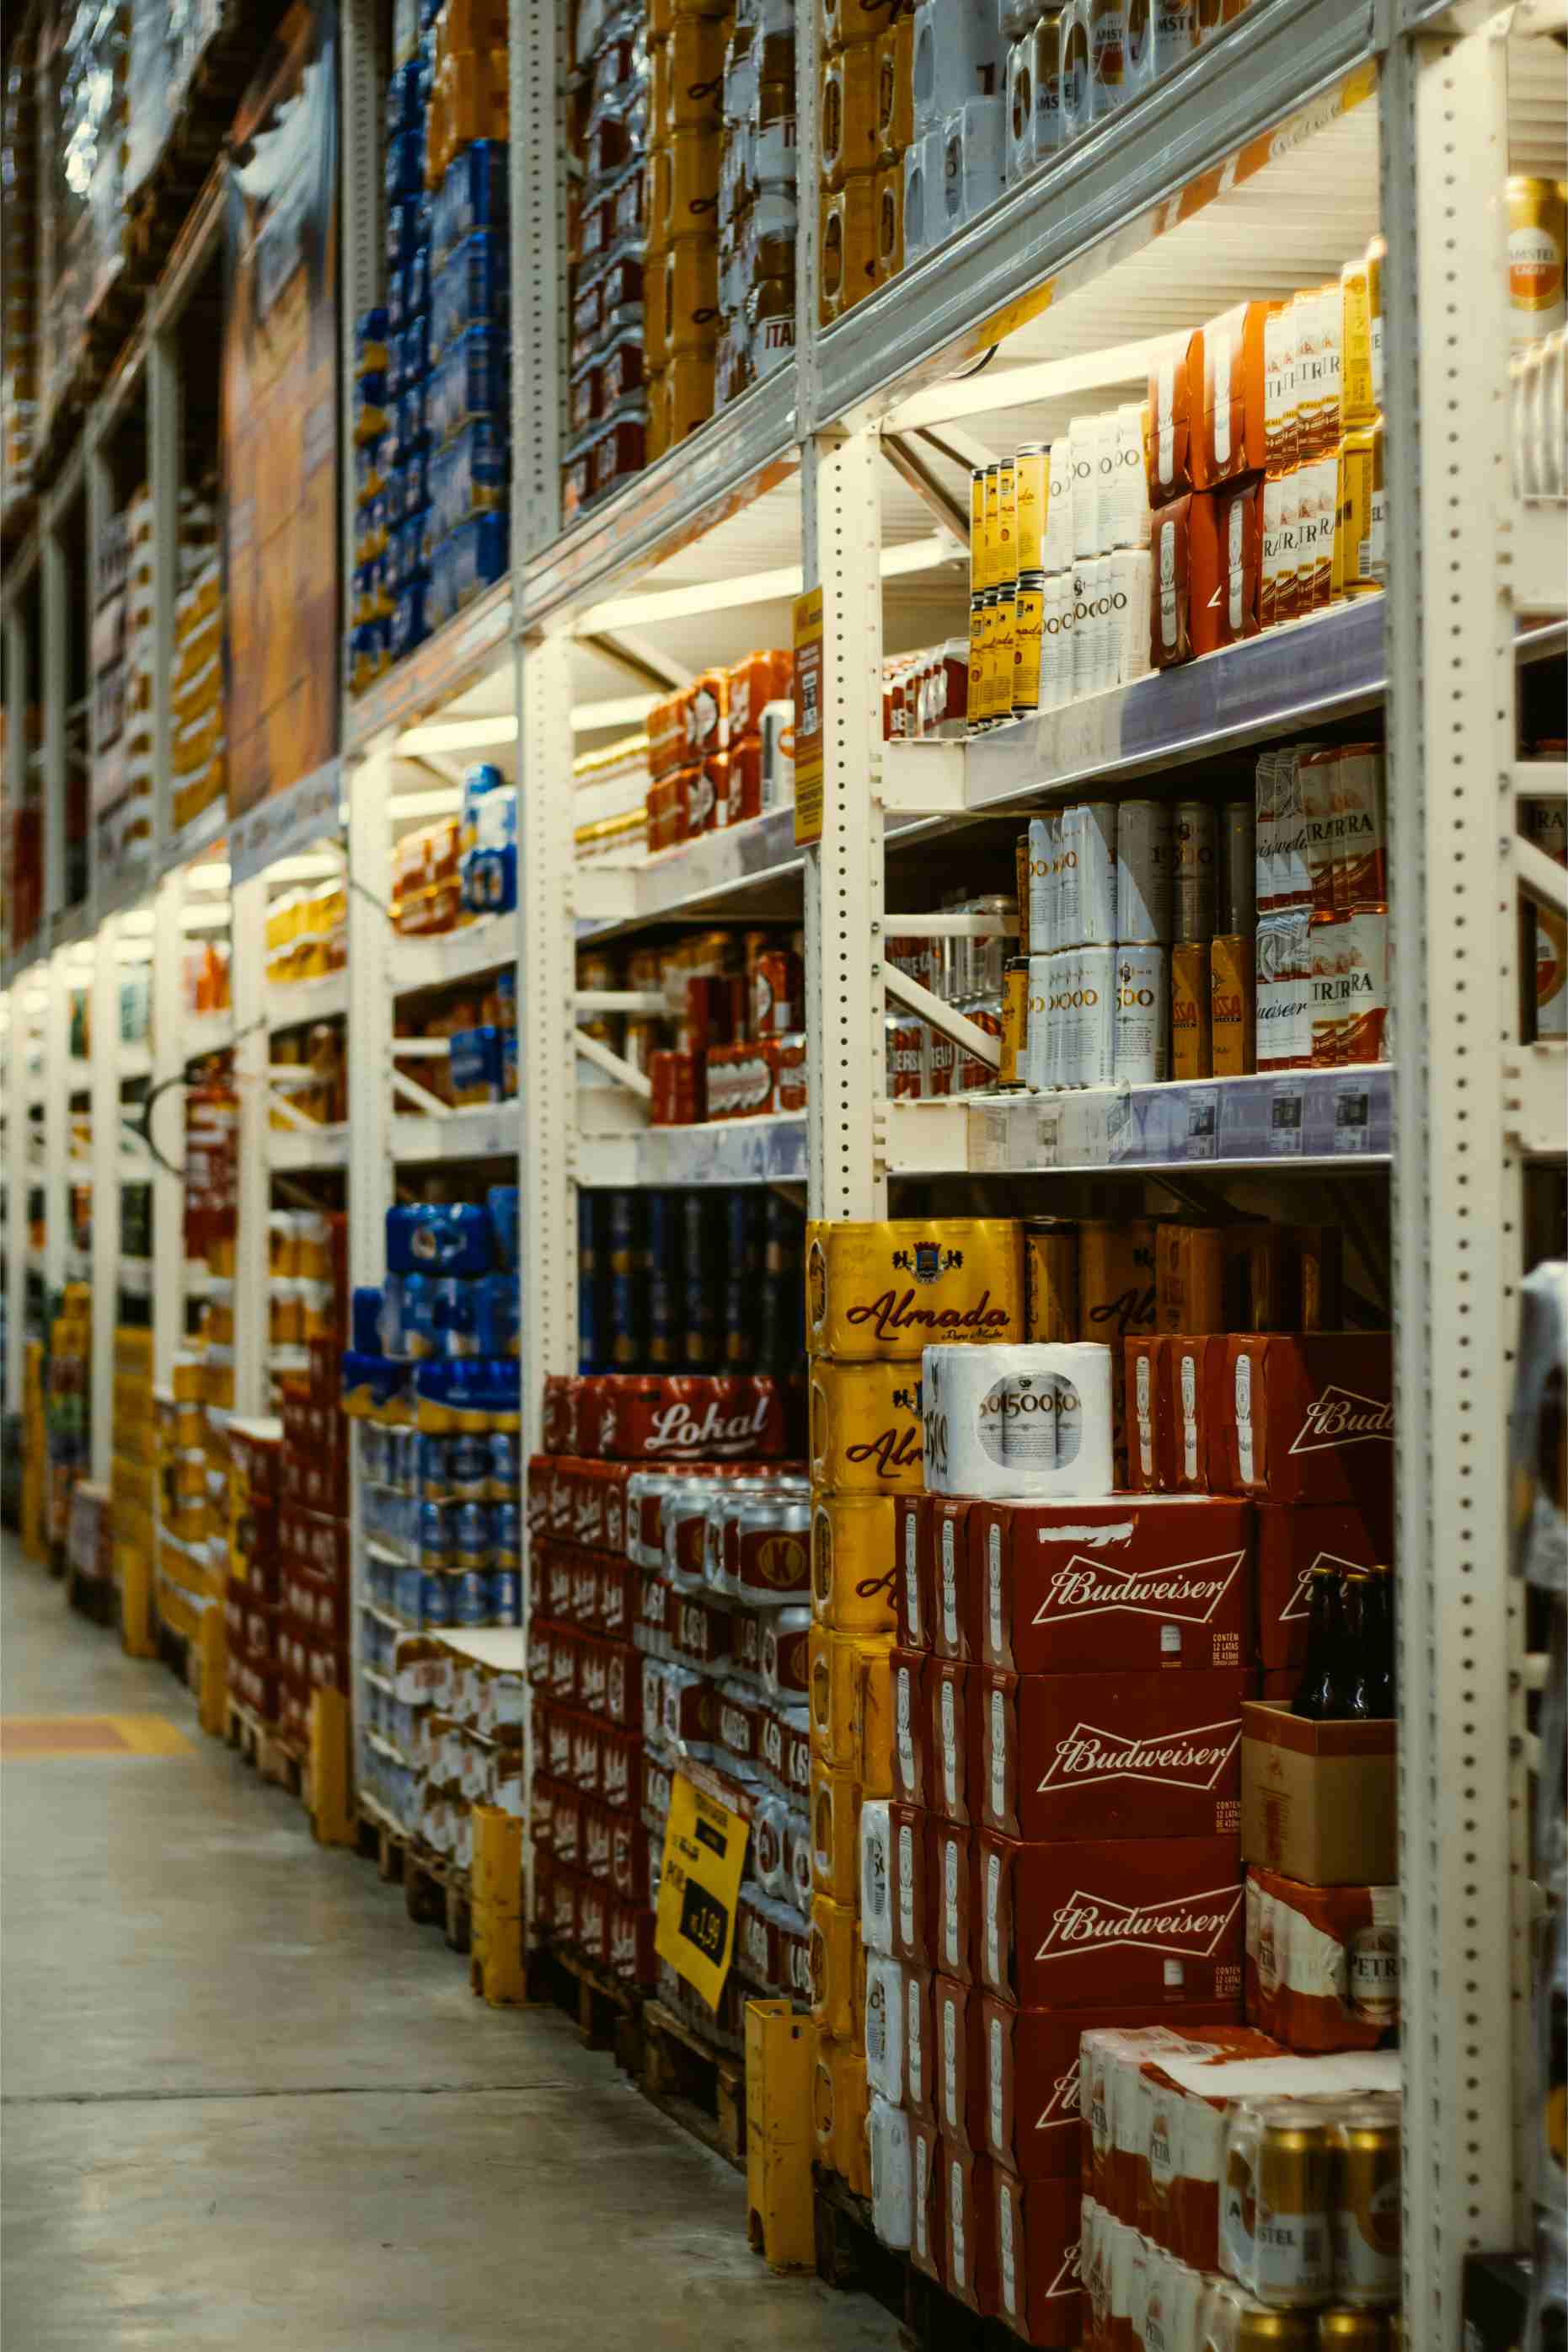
{"x":1095,"y":997}
{"x":1143,"y":1042}
{"x":1143,"y":870}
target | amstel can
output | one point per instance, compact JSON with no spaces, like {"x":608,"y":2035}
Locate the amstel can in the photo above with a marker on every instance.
{"x":879,"y":1290}
{"x":1050,"y":1280}
{"x":1293,"y":2255}
{"x":1367,"y":2212}
{"x":1353,"y":2331}
{"x":1253,"y":2328}
{"x":865,"y":1428}
{"x":853,"y":1563}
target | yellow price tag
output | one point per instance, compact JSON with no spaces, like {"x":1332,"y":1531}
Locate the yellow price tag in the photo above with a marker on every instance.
{"x":705,"y":1854}
{"x":808,"y":683}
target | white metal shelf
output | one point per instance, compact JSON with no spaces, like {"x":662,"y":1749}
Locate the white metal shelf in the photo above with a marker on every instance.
{"x":482,"y":1132}
{"x":433,"y":672}
{"x":293,"y":1150}
{"x":767,"y":1150}
{"x":291,"y":1004}
{"x":483,"y":946}
{"x":202,"y":1033}
{"x":132,"y":1062}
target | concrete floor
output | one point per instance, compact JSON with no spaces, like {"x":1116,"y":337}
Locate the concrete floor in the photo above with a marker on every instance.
{"x":248,"y":2104}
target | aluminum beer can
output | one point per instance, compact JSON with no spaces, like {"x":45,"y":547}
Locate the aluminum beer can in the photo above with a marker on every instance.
{"x":1367,"y":2214}
{"x":1362,"y":1032}
{"x":1143,"y":870}
{"x":1193,"y":874}
{"x":1291,"y":882}
{"x":1095,"y":997}
{"x":1042,"y":886}
{"x":906,"y":1056}
{"x":1192,"y":1037}
{"x":1237,"y":904}
{"x":1042,"y":976}
{"x":1061,"y":1019}
{"x":1351,"y":2330}
{"x":1327,"y":991}
{"x":1271,"y":994}
{"x":1360,"y":829}
{"x":853,"y":1563}
{"x":1142,"y":1050}
{"x":866,"y":1428}
{"x":1006,"y":557}
{"x":1015,"y":1022}
{"x":977,"y":579}
{"x":1029,"y":622}
{"x":1032,"y":491}
{"x":1275,"y":2204}
{"x":885,"y":1288}
{"x":1232,"y":1014}
{"x":1050,"y":1280}
{"x":1096,"y":842}
{"x":1263,"y":823}
{"x":1298,"y":932}
{"x":1320,"y":802}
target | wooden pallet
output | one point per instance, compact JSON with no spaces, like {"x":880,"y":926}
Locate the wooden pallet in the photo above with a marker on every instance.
{"x":700,"y":2086}
{"x":275,"y":1758}
{"x":609,"y":2014}
{"x":851,"y":2255}
{"x":93,"y":1596}
{"x":433,"y":1889}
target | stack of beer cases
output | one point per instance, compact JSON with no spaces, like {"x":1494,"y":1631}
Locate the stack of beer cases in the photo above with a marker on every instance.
{"x":876,"y":1294}
{"x":639,"y":1668}
{"x":756,"y":198}
{"x":312,"y":1543}
{"x":686,"y":146}
{"x":253,"y":1586}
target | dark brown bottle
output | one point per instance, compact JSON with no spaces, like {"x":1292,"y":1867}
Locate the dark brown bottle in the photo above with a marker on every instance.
{"x":1322,"y":1691}
{"x":1369,"y":1625}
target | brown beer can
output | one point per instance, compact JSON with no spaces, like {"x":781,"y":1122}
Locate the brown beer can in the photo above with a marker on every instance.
{"x":1192,"y":1032}
{"x":1050,"y":1280}
{"x":1232,"y":998}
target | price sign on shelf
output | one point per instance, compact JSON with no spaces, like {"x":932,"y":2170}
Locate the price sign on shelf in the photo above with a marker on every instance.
{"x":1202,"y":1123}
{"x":1352,"y":1116}
{"x":705,"y":1854}
{"x":1285,"y":1118}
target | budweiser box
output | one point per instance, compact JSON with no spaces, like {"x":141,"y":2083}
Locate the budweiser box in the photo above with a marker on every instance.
{"x":1322,"y":1963}
{"x":1155,"y":1920}
{"x":912,"y":1563}
{"x":1294,"y":1539}
{"x":928,"y":2218}
{"x":1037,"y":2250}
{"x":1132,"y":1583}
{"x":960,"y":2062}
{"x":1318,"y":1800}
{"x":1107,"y":1755}
{"x":955,"y":1573}
{"x":970,"y":2235}
{"x":1307,"y":1419}
{"x":952,"y":1759}
{"x":1033,"y":2109}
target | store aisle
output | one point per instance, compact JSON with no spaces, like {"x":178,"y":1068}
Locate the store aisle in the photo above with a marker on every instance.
{"x":248,"y":2104}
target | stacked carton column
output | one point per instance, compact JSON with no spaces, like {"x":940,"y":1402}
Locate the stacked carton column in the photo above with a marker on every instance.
{"x":875,"y":1294}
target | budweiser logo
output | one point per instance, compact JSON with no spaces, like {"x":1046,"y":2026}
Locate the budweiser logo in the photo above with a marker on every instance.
{"x":1190,"y":1591}
{"x":1298,"y":1604}
{"x":678,"y":1430}
{"x":1069,"y":2274}
{"x":1190,"y":1926}
{"x":1060,"y":2108}
{"x":1342,"y":1417}
{"x":891,"y":1313}
{"x":1184,"y":1759}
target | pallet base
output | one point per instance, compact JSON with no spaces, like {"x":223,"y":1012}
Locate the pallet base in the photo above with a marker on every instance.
{"x":433,"y":1890}
{"x":851,"y":2255}
{"x":272,"y":1756}
{"x":93,"y":1596}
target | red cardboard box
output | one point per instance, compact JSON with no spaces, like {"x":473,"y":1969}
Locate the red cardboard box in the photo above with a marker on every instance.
{"x":1291,"y":1539}
{"x":910,"y":1726}
{"x":1032,"y":2107}
{"x":1192,"y":1380}
{"x":971,"y":2236}
{"x":928,"y":2172}
{"x":1106,"y":1755}
{"x":959,"y":2062}
{"x":953,"y":1867}
{"x":910,"y":1885}
{"x":1150,"y":1470}
{"x":920,"y":2061}
{"x":1135,"y":1582}
{"x":952,"y":1770}
{"x":690,"y":1417}
{"x":955,"y":1554}
{"x":912,"y":1554}
{"x":1155,"y":1920}
{"x":1037,"y":2278}
{"x":1309,"y":1418}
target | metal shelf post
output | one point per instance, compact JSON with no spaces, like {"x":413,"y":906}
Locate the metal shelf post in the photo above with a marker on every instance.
{"x":248,"y":979}
{"x":166,"y":1130}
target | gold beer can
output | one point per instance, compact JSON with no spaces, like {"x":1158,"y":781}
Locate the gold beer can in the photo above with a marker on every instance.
{"x":1028,"y":625}
{"x":1535,"y":257}
{"x":1032,"y":473}
{"x":1007,"y":556}
{"x":884,"y":1289}
{"x":1367,"y":2229}
{"x":853,"y":1564}
{"x":993,"y":526}
{"x":1232,"y":998}
{"x":1015,"y":1019}
{"x":1115,"y":1283}
{"x":1356,"y":403}
{"x":1050,"y":1280}
{"x":978,"y":580}
{"x":1353,"y":2331}
{"x":1294,"y":2253}
{"x":1362,"y":510}
{"x":1258,"y":2329}
{"x":1020,"y":888}
{"x":1192,"y":1035}
{"x":866,"y":1430}
{"x":1003,"y":652}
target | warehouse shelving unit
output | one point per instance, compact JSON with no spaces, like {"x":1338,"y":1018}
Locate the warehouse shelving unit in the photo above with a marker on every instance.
{"x":1315,"y":119}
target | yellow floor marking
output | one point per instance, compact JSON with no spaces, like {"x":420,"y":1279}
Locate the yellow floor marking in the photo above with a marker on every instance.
{"x":23,"y":1736}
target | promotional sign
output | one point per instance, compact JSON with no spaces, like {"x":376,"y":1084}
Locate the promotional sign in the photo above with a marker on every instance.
{"x":705,"y":1854}
{"x":279,"y":397}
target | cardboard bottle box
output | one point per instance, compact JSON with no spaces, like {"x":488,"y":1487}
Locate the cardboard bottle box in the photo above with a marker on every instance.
{"x":1156,"y":1920}
{"x":971,"y":2226}
{"x":919,"y":2043}
{"x":956,"y":1575}
{"x":1039,"y":2286}
{"x":953,"y":1768}
{"x":954,"y":1873}
{"x":959,"y":2062}
{"x":1319,"y":1801}
{"x":1107,"y":1755}
{"x":1130,"y":1583}
{"x":912,"y":1564}
{"x":910,"y":1726}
